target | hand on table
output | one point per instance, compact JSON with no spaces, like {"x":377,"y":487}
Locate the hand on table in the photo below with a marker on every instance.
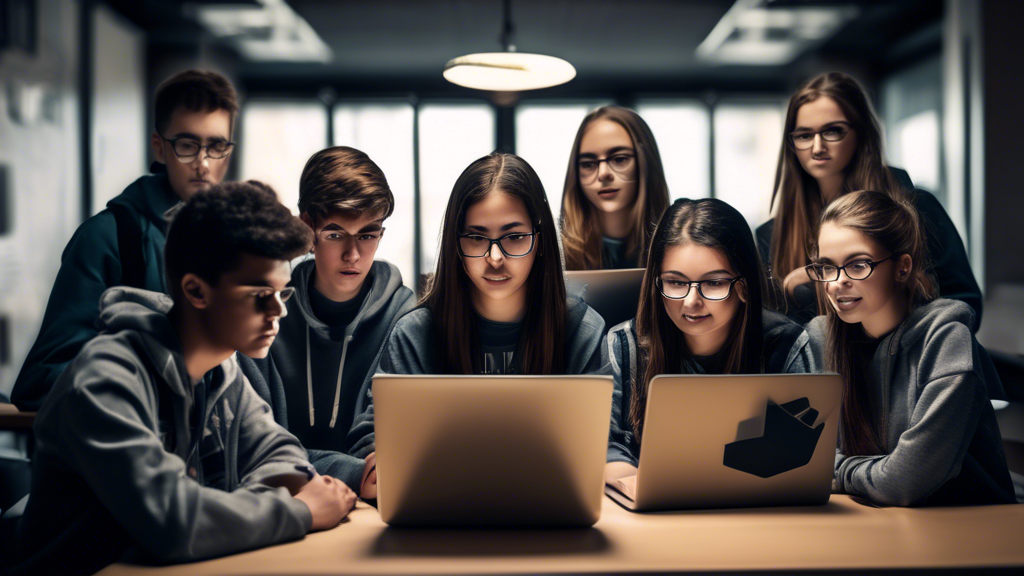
{"x":329,"y":500}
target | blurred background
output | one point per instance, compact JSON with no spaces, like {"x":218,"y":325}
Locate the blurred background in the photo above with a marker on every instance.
{"x":711,"y":78}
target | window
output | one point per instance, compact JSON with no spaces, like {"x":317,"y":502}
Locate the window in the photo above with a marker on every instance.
{"x":682,"y":130}
{"x":747,"y":140}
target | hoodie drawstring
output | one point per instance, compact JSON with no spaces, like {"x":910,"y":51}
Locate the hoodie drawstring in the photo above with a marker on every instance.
{"x":309,"y":379}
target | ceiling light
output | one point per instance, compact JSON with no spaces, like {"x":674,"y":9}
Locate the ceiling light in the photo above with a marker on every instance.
{"x":508,"y":71}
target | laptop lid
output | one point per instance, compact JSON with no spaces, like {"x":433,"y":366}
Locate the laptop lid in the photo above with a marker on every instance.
{"x":614,"y":294}
{"x":714,"y":441}
{"x":491,"y":450}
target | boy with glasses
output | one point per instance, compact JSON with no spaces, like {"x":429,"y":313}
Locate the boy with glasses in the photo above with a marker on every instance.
{"x":152,"y":446}
{"x":318,"y":372}
{"x":123,"y":245}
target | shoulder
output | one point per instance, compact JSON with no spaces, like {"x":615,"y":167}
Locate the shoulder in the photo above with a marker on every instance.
{"x":415,"y":325}
{"x":764,"y":231}
{"x":98,"y":230}
{"x":939,"y":332}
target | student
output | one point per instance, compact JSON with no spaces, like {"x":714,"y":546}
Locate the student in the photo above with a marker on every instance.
{"x":615,"y":192}
{"x":123,"y":245}
{"x":917,"y":427}
{"x":497,"y":302}
{"x":152,"y":442}
{"x":345,"y":303}
{"x":700,"y":312}
{"x":832,"y":145}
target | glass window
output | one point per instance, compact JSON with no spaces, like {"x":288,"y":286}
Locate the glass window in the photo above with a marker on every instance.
{"x":278,"y":137}
{"x":451,"y":136}
{"x":747,"y":140}
{"x":915,"y":148}
{"x":682,"y":130}
{"x":544,"y":137}
{"x":384,"y":132}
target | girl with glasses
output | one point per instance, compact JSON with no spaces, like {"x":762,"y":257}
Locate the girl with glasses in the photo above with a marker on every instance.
{"x":497,"y":302}
{"x":917,"y":426}
{"x":615,"y":191}
{"x":700,"y":312}
{"x":832,"y":144}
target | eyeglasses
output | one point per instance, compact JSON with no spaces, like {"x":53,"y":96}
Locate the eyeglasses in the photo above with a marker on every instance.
{"x":675,"y":288}
{"x":856,"y":270}
{"x":336,"y":237}
{"x":514,"y":245}
{"x":621,"y":164}
{"x":186,"y":149}
{"x":803,"y":140}
{"x":264,"y":297}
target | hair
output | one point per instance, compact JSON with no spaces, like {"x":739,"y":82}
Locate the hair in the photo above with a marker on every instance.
{"x":581,"y":233}
{"x":714,"y":224}
{"x":796,"y":196}
{"x":194,"y":91}
{"x":541,"y":347}
{"x":210,"y":231}
{"x":892,"y":221}
{"x":345,"y":180}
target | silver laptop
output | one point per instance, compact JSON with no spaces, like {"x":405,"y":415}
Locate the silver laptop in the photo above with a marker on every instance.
{"x":614,"y":294}
{"x":491,"y":450}
{"x":718,"y":441}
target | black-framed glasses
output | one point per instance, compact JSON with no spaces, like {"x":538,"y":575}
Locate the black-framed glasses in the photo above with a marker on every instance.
{"x":264,"y":297}
{"x":675,"y":288}
{"x":621,"y":164}
{"x":186,"y":149}
{"x":336,"y":237}
{"x":514,"y":245}
{"x":856,"y":270}
{"x":803,"y":139}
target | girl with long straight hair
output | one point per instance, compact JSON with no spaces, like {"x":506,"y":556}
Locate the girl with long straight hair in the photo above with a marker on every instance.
{"x":497,"y":302}
{"x":832,"y":145}
{"x":615,"y":192}
{"x":917,"y":426}
{"x":701,"y":312}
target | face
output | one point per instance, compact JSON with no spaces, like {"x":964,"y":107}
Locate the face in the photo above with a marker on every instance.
{"x":344,"y":250}
{"x":498,"y":278}
{"x":874,"y":301}
{"x":190,"y":175}
{"x":705,"y":323}
{"x":243,"y":310}
{"x":823,"y":159}
{"x":607,"y":166}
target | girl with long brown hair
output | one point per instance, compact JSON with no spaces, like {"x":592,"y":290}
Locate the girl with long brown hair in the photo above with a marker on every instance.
{"x":497,"y":302}
{"x":700,"y":312}
{"x":917,"y":426}
{"x":615,"y":192}
{"x":832,"y":145}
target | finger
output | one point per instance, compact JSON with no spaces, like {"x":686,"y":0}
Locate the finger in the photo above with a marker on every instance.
{"x":372,"y":478}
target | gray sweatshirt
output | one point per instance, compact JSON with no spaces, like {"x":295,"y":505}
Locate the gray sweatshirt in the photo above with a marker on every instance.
{"x":120,"y":465}
{"x":929,"y":399}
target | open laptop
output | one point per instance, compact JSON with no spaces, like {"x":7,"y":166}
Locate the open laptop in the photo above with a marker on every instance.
{"x":614,"y":294}
{"x":704,"y":442}
{"x":491,"y":450}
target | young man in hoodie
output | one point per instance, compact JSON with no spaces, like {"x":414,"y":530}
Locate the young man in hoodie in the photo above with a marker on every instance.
{"x":152,"y":445}
{"x":123,"y":245}
{"x":318,"y":372}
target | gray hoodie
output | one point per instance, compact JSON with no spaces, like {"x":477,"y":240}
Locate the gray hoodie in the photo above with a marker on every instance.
{"x":119,"y":465}
{"x":929,"y":399}
{"x":413,"y":348}
{"x":309,"y":360}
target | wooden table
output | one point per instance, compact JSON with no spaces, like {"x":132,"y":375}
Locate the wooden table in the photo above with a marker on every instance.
{"x":841,"y":535}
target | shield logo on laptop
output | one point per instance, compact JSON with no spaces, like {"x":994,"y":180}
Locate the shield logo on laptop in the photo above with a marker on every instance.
{"x":788,"y":441}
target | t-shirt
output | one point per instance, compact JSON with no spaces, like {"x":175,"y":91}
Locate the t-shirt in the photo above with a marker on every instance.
{"x":498,"y":342}
{"x":614,"y":256}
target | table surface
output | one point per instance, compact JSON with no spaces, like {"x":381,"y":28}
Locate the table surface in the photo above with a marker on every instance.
{"x":843,"y":534}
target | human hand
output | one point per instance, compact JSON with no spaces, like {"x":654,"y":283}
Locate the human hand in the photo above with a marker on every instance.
{"x":328,"y":499}
{"x":368,"y":486}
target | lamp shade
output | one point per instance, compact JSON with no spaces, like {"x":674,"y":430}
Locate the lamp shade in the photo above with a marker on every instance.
{"x":508,"y":71}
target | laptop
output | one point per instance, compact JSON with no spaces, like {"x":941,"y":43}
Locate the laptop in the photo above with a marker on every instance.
{"x":614,"y":294}
{"x":497,"y":451}
{"x":723,"y":441}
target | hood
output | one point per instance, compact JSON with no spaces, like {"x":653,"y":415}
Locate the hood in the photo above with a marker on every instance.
{"x":145,"y":313}
{"x":385,"y":279}
{"x":151,"y":196}
{"x":929,"y":317}
{"x":576,"y":309}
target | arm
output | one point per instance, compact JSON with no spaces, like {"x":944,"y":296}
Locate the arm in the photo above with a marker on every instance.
{"x":108,"y":423}
{"x":89,"y":266}
{"x":349,"y":469}
{"x":620,"y":435}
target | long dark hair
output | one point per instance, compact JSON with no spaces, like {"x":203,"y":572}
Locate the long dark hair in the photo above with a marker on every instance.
{"x":581,"y":234}
{"x":892,"y":221}
{"x":796,"y":196}
{"x":541,"y":348}
{"x":714,"y":224}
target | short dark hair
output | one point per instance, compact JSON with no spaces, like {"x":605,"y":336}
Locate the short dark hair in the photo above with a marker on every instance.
{"x":343,"y":179}
{"x":211,"y":230}
{"x":194,"y":91}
